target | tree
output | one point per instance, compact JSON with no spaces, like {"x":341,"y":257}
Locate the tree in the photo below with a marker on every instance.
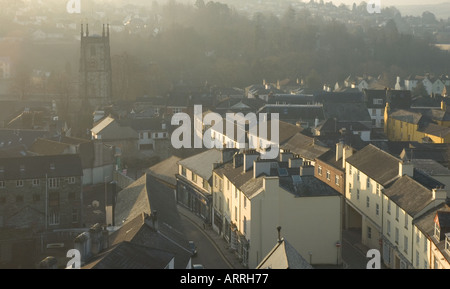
{"x":420,"y":90}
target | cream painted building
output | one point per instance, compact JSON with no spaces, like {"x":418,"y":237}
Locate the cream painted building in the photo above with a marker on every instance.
{"x":368,"y":171}
{"x":257,"y":196}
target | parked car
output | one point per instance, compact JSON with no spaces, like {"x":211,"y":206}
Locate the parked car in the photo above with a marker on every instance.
{"x":193,"y":248}
{"x":198,"y":266}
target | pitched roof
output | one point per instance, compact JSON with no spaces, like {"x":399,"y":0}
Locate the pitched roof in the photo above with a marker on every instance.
{"x":435,"y":130}
{"x":166,"y":170}
{"x":48,"y":147}
{"x":33,"y":167}
{"x":425,"y":223}
{"x":304,"y":146}
{"x":375,"y":163}
{"x":409,"y":195}
{"x":127,"y":255}
{"x":284,"y":256}
{"x":347,"y":111}
{"x":202,"y":163}
{"x":166,"y":238}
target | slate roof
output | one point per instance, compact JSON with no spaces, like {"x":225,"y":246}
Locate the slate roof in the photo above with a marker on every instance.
{"x":425,"y":223}
{"x":435,"y":130}
{"x":438,"y":152}
{"x":375,"y":163}
{"x":406,"y":116}
{"x":354,"y":112}
{"x":293,"y":113}
{"x":33,"y":167}
{"x":284,"y":256}
{"x":202,"y":163}
{"x":244,"y":181}
{"x":127,"y":255}
{"x":430,"y":167}
{"x":166,"y":238}
{"x":166,"y":170}
{"x":409,"y":195}
{"x":48,"y":147}
{"x":304,"y":146}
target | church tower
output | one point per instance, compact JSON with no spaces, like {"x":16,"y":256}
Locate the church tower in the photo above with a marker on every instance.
{"x":95,"y":68}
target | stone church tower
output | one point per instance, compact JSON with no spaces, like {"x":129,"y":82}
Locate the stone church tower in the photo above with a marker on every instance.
{"x":95,"y":69}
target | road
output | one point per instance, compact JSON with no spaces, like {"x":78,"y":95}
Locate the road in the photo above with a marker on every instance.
{"x":207,"y":254}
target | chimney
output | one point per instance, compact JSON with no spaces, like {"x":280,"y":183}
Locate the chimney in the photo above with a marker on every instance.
{"x":339,"y":150}
{"x":249,"y":157}
{"x":111,"y":195}
{"x":439,"y":194}
{"x":152,"y":220}
{"x":96,"y":235}
{"x":286,"y":156}
{"x":307,"y":170}
{"x":405,"y":168}
{"x":238,"y":160}
{"x":346,"y":153}
{"x":279,"y":234}
{"x":261,"y":167}
{"x":49,"y":262}
{"x":295,"y":162}
{"x":316,"y":122}
{"x":443,"y":106}
{"x":82,"y":243}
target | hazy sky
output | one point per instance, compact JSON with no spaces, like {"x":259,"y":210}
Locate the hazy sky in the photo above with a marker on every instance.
{"x":394,"y":2}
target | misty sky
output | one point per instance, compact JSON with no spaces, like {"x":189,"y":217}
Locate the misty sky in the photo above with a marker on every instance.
{"x":395,"y":2}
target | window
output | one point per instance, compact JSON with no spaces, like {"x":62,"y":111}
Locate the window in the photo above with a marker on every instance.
{"x":367,"y":201}
{"x":369,"y":232}
{"x":447,"y":243}
{"x":53,"y":183}
{"x":2,"y":184}
{"x":235,"y":193}
{"x":378,"y":101}
{"x":235,"y":214}
{"x":417,"y":259}
{"x":350,"y":170}
{"x":425,"y":246}
{"x":319,"y":170}
{"x":245,"y":202}
{"x":418,"y":238}
{"x":177,"y":109}
{"x":405,"y":244}
{"x":357,"y":175}
{"x":53,"y":217}
{"x":389,"y":206}
{"x":377,"y":209}
{"x":228,"y":184}
{"x":357,"y":194}
{"x":437,"y":231}
{"x":328,"y":175}
{"x":19,"y":199}
{"x":216,"y":184}
{"x":350,"y":187}
{"x":35,"y":182}
{"x":368,"y":182}
{"x":396,"y":235}
{"x":19,"y":183}
{"x":378,"y":189}
{"x":397,"y":212}
{"x":336,"y":180}
{"x":228,"y":204}
{"x":205,"y":184}
{"x":71,"y":180}
{"x":374,"y":111}
{"x":245,"y":225}
{"x":406,"y":221}
{"x":194,"y":177}
{"x":220,"y":204}
{"x":74,"y":215}
{"x":183,"y":171}
{"x":36,"y":197}
{"x":388,"y":229}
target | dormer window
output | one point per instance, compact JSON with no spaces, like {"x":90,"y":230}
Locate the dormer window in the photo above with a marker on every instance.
{"x":447,"y":242}
{"x":437,"y":231}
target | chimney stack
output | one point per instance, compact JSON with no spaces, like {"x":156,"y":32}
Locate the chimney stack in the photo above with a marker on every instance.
{"x":279,"y":234}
